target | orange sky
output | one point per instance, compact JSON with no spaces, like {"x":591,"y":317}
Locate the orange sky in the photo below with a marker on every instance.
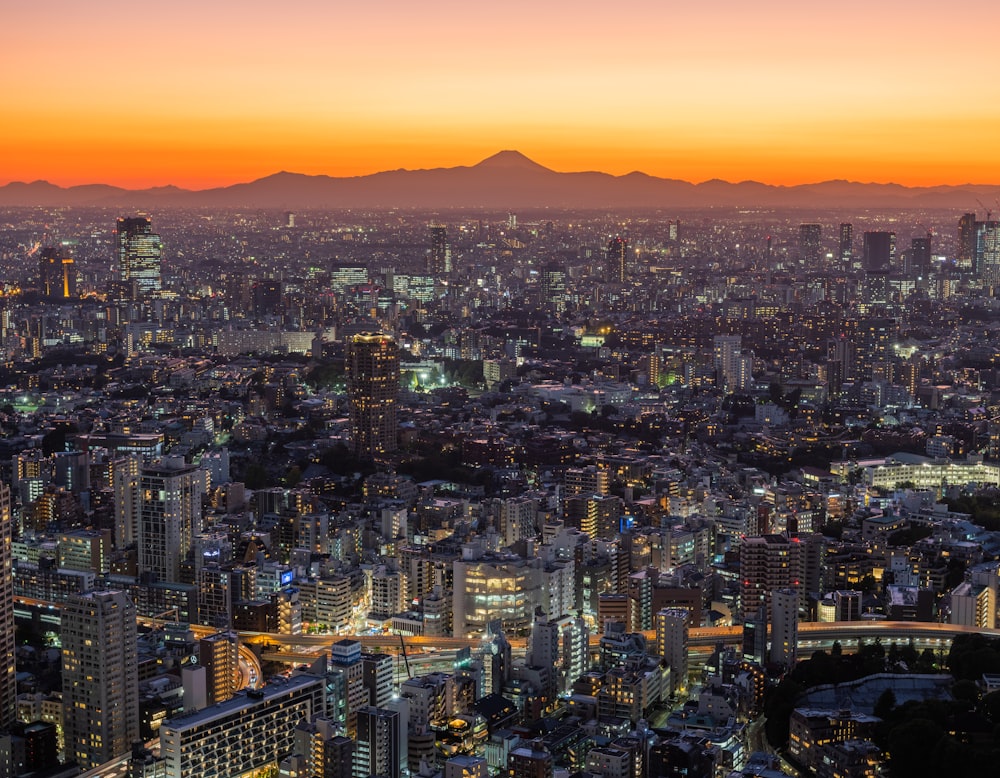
{"x":201,"y":94}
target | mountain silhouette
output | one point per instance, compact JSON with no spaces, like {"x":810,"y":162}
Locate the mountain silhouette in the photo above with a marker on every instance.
{"x":505,"y":180}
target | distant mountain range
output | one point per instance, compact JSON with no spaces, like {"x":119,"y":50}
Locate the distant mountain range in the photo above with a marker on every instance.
{"x":506,"y":180}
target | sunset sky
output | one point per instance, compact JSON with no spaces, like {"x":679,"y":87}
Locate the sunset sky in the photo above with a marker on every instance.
{"x":208,"y":93}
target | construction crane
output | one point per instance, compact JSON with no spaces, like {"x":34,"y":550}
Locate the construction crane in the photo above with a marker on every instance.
{"x":406,"y":659}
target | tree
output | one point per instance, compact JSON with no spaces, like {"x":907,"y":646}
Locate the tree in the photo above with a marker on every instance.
{"x":885,"y":703}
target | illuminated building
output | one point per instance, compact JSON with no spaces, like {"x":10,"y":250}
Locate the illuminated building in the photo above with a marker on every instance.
{"x":169,"y":516}
{"x":784,"y":627}
{"x":846,"y":245}
{"x":139,"y":254}
{"x":8,"y":686}
{"x":56,"y":274}
{"x":554,"y":287}
{"x":768,"y":563}
{"x":810,"y":236}
{"x":920,"y":256}
{"x":615,"y":258}
{"x":530,"y":761}
{"x":986,"y":260}
{"x":376,"y":747}
{"x":672,"y":644}
{"x":966,"y":240}
{"x":100,"y":677}
{"x":219,"y":655}
{"x":439,"y":257}
{"x":372,"y":368}
{"x":241,"y":736}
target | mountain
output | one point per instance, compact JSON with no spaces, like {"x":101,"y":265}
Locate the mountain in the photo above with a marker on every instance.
{"x":506,"y":180}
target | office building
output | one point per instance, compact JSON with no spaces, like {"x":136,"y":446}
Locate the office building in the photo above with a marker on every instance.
{"x":846,"y":252}
{"x":553,"y":287}
{"x":920,"y":256}
{"x":56,"y":274}
{"x":810,"y":244}
{"x":439,"y":256}
{"x":966,"y":241}
{"x":139,"y":255}
{"x":615,"y":258}
{"x":376,"y":747}
{"x":878,"y":251}
{"x":8,"y":685}
{"x":170,"y":516}
{"x":100,"y":677}
{"x":986,"y":260}
{"x":372,"y":368}
{"x":251,"y":732}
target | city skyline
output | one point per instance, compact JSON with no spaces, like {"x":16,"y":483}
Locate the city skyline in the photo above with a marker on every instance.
{"x":775,"y":93}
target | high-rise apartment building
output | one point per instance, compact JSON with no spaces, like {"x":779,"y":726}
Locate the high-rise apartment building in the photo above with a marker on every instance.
{"x":219,"y":655}
{"x":768,"y":563}
{"x":376,"y":747}
{"x":169,"y":516}
{"x":553,"y":287}
{"x":139,"y":254}
{"x":986,"y":259}
{"x":8,"y":685}
{"x":439,"y":257}
{"x":100,"y":677}
{"x":784,"y":627}
{"x":372,"y":368}
{"x":615,"y":258}
{"x":732,"y":367}
{"x":672,"y":644}
{"x":966,"y":240}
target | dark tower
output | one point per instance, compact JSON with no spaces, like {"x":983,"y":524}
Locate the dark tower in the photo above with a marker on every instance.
{"x":920,"y":256}
{"x":439,"y":258}
{"x":846,"y":245}
{"x":615,"y":260}
{"x":810,"y":236}
{"x":879,"y":250}
{"x":966,"y":240}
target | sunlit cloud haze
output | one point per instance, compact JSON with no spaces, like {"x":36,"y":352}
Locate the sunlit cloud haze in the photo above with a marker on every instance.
{"x":201,"y":94}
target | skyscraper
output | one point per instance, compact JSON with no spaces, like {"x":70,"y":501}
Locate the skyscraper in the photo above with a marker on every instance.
{"x":920,"y":256}
{"x":784,"y":627}
{"x":879,"y":249}
{"x":139,"y":254}
{"x":810,"y":248}
{"x":8,"y":686}
{"x":986,"y":259}
{"x":846,"y":245}
{"x":966,"y":240}
{"x":554,"y":287}
{"x":169,"y":516}
{"x":56,"y":274}
{"x":439,"y":257}
{"x":372,"y":368}
{"x":615,"y":257}
{"x":100,"y":677}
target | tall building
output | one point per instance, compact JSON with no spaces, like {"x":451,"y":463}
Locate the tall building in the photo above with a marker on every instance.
{"x":553,"y":287}
{"x":986,"y":260}
{"x":768,"y":563}
{"x":920,"y":256}
{"x":879,"y":250}
{"x":100,"y":677}
{"x":672,"y":644}
{"x":732,"y":367}
{"x":846,"y":245}
{"x":615,"y":260}
{"x":810,"y":244}
{"x":139,"y":254}
{"x":372,"y":368}
{"x":439,"y":257}
{"x":966,"y":240}
{"x":56,"y":274}
{"x":8,"y":685}
{"x":376,"y":747}
{"x":169,"y":516}
{"x":219,"y":655}
{"x":784,"y":627}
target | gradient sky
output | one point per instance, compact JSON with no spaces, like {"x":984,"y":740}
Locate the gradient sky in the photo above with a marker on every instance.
{"x":214,"y":92}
